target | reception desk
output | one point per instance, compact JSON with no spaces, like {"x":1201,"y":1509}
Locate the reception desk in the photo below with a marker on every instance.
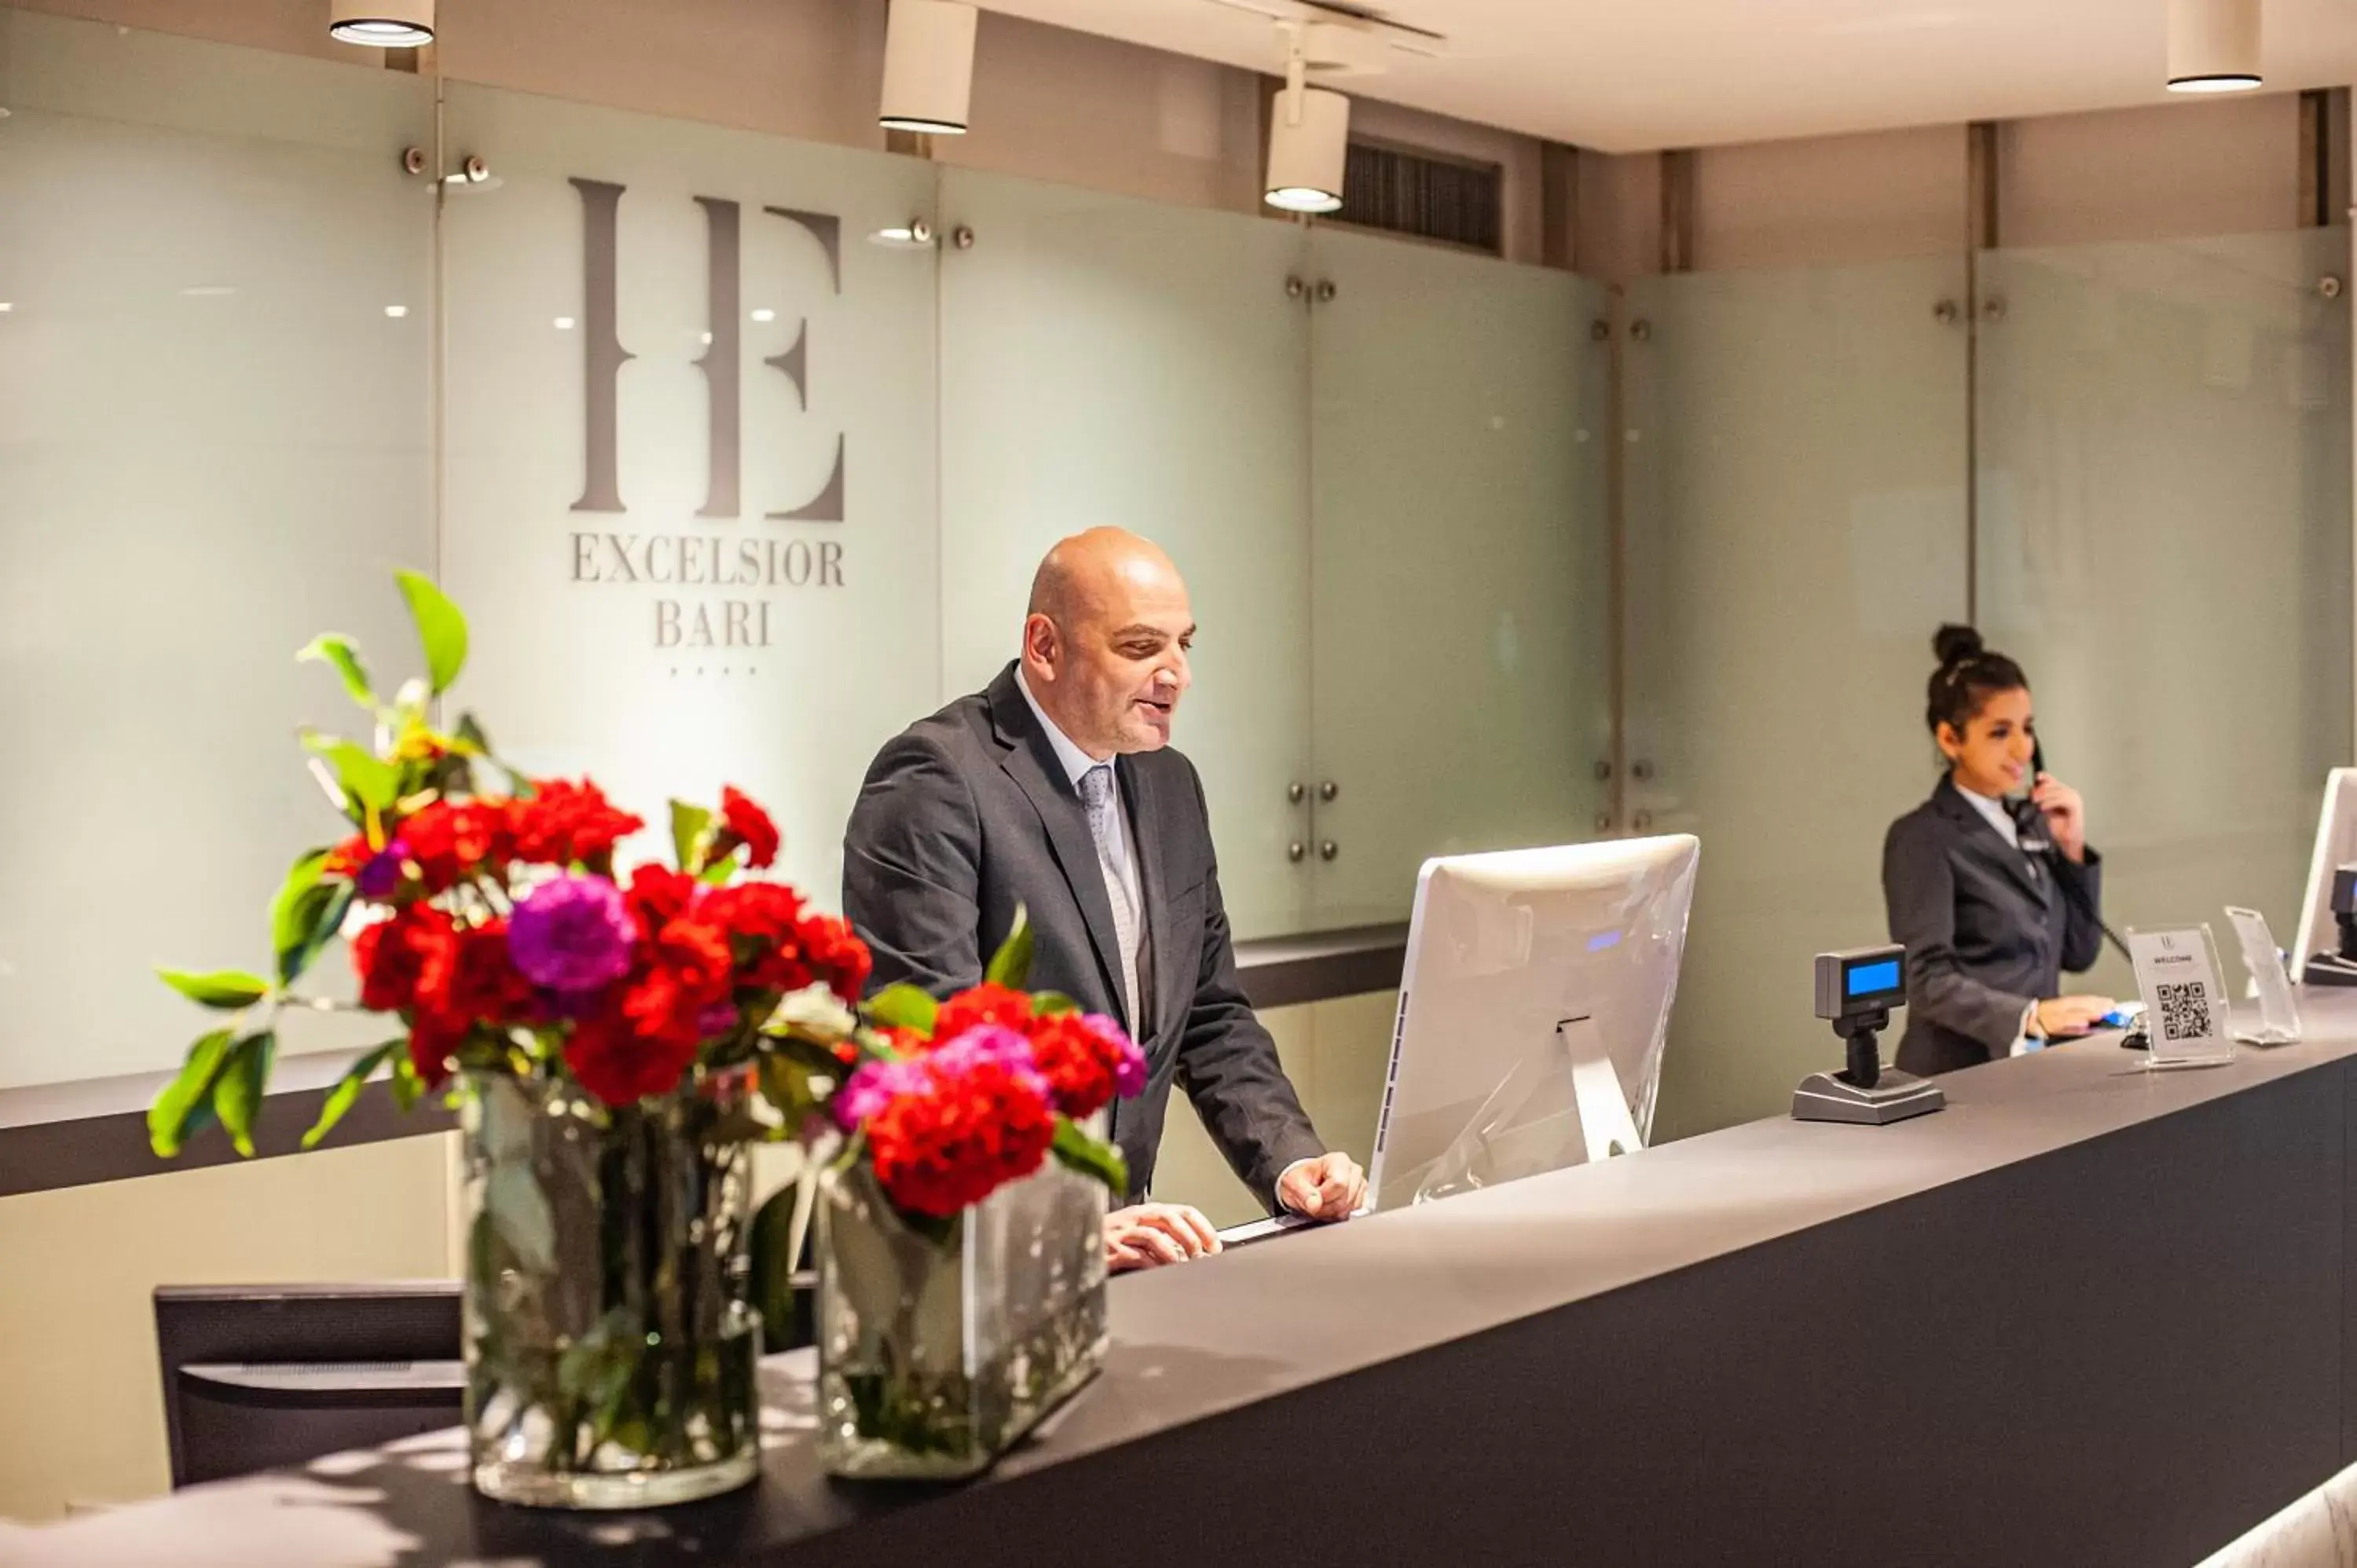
{"x":2088,"y":1315}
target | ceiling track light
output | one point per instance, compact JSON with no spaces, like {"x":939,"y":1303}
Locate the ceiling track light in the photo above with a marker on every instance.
{"x":381,"y":23}
{"x":2214,"y":45}
{"x":928,"y":67}
{"x":1309,"y":138}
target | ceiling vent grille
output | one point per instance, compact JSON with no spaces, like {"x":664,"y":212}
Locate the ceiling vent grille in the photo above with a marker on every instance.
{"x":1404,"y":192}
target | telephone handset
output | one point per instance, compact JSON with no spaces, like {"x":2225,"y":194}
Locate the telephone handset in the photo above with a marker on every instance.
{"x":2035,"y":839}
{"x":2027,"y":817}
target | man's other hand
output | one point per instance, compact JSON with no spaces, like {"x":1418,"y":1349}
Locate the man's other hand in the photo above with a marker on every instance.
{"x":1154,"y":1233}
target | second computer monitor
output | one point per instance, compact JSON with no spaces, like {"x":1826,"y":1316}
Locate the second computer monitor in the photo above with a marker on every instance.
{"x":1533,"y":1013}
{"x":2335,"y":845}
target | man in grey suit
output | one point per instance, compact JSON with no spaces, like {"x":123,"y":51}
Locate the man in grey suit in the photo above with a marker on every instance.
{"x":1054,"y":790}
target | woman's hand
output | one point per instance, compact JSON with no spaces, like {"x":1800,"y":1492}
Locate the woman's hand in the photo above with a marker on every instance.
{"x":2061,"y":1017}
{"x":2066,"y":814}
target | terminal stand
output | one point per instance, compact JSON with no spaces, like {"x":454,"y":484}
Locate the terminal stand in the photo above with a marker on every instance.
{"x":1856,"y":990}
{"x":1865,"y":1091}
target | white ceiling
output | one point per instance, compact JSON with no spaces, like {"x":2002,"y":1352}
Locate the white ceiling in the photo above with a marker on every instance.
{"x":1638,"y":75}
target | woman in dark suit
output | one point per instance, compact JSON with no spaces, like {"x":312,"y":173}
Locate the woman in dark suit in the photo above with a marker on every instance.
{"x":1975,"y":881}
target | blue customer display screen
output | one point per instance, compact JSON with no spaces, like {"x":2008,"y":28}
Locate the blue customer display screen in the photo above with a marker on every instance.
{"x":1867,"y":979}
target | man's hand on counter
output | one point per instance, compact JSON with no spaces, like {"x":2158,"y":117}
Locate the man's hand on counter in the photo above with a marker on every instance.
{"x":1330,"y":1186}
{"x":1154,"y":1233}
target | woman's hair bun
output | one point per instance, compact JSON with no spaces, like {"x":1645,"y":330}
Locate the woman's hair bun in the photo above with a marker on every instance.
{"x":1954,"y":644}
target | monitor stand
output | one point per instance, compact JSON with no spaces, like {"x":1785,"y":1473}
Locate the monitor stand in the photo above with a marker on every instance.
{"x":1605,"y":1124}
{"x":1896,"y":1096}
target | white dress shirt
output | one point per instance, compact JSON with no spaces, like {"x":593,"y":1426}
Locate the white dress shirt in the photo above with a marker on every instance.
{"x":2000,"y":817}
{"x":1125,"y":884}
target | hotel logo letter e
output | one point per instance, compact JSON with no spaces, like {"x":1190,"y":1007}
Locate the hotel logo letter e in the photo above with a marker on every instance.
{"x":603,"y":354}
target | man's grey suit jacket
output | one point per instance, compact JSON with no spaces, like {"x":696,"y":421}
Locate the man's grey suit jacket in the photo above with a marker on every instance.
{"x":968,"y":814}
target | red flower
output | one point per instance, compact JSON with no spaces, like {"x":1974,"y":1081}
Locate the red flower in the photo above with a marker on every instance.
{"x":432,"y":1043}
{"x":754,"y":911}
{"x":944,"y":1149}
{"x":391,"y":956}
{"x":449,"y":842}
{"x":749,"y":825}
{"x":780,"y":948}
{"x":620,"y":1066}
{"x":836,"y":955}
{"x":564,"y":823}
{"x":688,"y":971}
{"x":473,"y":981}
{"x":658,"y":896}
{"x":985,"y":1004}
{"x":1078,"y":1061}
{"x":345,"y":859}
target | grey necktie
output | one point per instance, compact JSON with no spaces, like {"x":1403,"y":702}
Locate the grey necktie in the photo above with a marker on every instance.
{"x":1096,"y":793}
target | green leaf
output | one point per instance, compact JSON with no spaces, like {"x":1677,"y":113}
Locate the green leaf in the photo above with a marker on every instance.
{"x":225,"y":988}
{"x":366,"y":779}
{"x":1011,"y":964}
{"x":470,"y":736}
{"x":688,"y":821}
{"x":289,"y":921}
{"x":904,"y":1006}
{"x":170,"y":1119}
{"x":773,"y":1267}
{"x":441,"y":629}
{"x":311,"y":924}
{"x":1052,"y":1003}
{"x":408,"y":1089}
{"x":333,"y":647}
{"x":1076,"y":1151}
{"x":237,"y":1092}
{"x":347,"y":1090}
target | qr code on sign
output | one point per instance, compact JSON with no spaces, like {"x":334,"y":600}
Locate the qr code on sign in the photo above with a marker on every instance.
{"x":2184,"y":1011}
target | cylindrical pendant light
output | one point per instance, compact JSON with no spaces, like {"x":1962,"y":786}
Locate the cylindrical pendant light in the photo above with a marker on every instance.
{"x":928,"y":67}
{"x":385,"y":24}
{"x":1308,"y":144}
{"x":2214,"y":45}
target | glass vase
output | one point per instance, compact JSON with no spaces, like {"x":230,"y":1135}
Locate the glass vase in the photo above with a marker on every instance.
{"x":941,"y":1342}
{"x":610,"y":1338}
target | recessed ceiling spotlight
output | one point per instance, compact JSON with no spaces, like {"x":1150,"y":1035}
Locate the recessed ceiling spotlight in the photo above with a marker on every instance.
{"x":2214,"y":45}
{"x":381,"y":23}
{"x":928,"y":67}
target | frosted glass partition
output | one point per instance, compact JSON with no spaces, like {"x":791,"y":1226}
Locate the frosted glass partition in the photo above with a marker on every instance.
{"x":1460,"y":567}
{"x":214,"y":414}
{"x":1796,"y":531}
{"x":2165,"y":545}
{"x":690,"y":492}
{"x":1106,"y":361}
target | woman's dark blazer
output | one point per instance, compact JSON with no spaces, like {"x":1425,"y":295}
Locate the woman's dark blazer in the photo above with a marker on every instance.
{"x":1987,"y":929}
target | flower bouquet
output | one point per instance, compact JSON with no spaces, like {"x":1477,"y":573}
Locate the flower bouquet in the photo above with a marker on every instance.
{"x":616,"y":1044}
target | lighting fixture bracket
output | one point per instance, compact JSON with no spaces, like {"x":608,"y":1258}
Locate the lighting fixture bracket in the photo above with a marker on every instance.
{"x":1344,"y":40}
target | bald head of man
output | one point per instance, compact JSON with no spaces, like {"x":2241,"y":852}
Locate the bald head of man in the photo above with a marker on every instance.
{"x":1106,"y":639}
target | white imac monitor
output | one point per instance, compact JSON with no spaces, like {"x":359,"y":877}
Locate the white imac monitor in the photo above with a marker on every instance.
{"x":1532,"y":1013}
{"x":2335,"y":845}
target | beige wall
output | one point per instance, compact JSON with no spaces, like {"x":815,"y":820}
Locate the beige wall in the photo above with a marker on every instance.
{"x":2229,"y":167}
{"x":1851,"y":199}
{"x":81,"y":1419}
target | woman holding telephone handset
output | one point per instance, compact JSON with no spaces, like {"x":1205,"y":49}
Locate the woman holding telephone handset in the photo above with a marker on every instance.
{"x":1976,"y":882}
